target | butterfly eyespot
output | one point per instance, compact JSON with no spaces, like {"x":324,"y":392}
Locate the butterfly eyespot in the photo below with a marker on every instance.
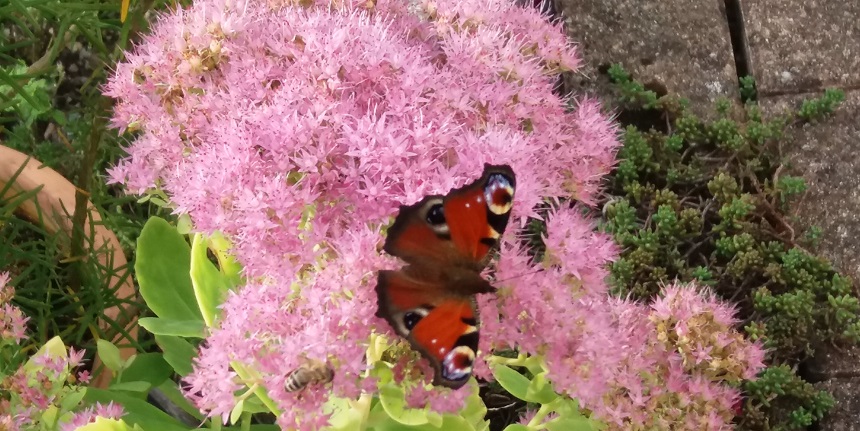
{"x":436,"y":215}
{"x":457,"y":364}
{"x":411,"y":318}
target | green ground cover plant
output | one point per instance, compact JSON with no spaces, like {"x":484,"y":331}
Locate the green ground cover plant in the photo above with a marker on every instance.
{"x":710,"y":201}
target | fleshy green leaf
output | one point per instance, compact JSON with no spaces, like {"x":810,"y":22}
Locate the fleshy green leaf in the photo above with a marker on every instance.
{"x":344,"y":417}
{"x":163,"y":267}
{"x":148,"y":367}
{"x":177,"y":352}
{"x":73,"y":398}
{"x":209,"y":284}
{"x":105,"y":424}
{"x":109,"y":354}
{"x":171,"y":391}
{"x":475,"y":410}
{"x":236,"y":413}
{"x":540,"y":390}
{"x":392,"y":399}
{"x":131,"y":386}
{"x":516,"y":427}
{"x":53,"y":348}
{"x":179,"y":328}
{"x":571,"y":424}
{"x":513,"y":382}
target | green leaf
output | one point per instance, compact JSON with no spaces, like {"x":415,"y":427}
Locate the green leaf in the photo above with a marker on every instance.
{"x":209,"y":284}
{"x":344,"y":417}
{"x":392,"y":399}
{"x":513,"y":382}
{"x":53,"y":348}
{"x":109,"y":354}
{"x":172,"y":392}
{"x":73,"y":398}
{"x":138,"y":411}
{"x":162,"y":267}
{"x":569,"y":414}
{"x":148,"y":367}
{"x":540,"y":390}
{"x":131,"y":386}
{"x":179,"y":328}
{"x":571,"y":424}
{"x":475,"y":410}
{"x":447,"y":423}
{"x":105,"y":424}
{"x":177,"y":352}
{"x":516,"y":427}
{"x":236,"y":413}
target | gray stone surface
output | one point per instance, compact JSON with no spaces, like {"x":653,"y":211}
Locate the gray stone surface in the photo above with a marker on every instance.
{"x":834,"y":363}
{"x":827,"y":154}
{"x":682,"y":46}
{"x":845,"y":415}
{"x":803,"y":45}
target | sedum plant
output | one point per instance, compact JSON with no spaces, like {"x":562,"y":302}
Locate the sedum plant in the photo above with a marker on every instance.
{"x":708,"y":202}
{"x":41,"y":391}
{"x":286,"y":135}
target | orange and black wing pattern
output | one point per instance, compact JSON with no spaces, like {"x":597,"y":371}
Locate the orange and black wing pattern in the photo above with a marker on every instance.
{"x":445,"y":241}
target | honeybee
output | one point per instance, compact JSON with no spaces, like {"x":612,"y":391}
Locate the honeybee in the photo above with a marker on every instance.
{"x":312,"y":372}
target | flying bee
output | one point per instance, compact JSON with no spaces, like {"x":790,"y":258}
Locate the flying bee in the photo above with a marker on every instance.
{"x":312,"y":372}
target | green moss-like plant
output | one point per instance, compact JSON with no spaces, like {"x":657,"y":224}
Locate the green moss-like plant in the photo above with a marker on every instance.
{"x":706,"y":201}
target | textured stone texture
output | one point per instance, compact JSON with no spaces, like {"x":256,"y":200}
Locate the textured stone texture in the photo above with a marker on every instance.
{"x":834,"y":363}
{"x":803,"y":45}
{"x":845,"y":415}
{"x":826,"y":154}
{"x":682,"y":46}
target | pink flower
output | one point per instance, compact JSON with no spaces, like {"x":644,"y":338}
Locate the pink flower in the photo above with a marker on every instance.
{"x":89,"y":415}
{"x":13,"y":323}
{"x":297,"y":132}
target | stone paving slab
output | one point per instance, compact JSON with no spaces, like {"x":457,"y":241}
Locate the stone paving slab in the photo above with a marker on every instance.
{"x":806,"y":45}
{"x":845,"y":414}
{"x":682,"y":46}
{"x":830,"y":363}
{"x":827,"y":154}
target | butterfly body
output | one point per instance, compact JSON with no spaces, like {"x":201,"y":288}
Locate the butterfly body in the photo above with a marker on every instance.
{"x":445,"y":242}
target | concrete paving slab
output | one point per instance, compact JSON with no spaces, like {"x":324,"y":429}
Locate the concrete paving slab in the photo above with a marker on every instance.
{"x":798,"y":46}
{"x":845,"y":414}
{"x":682,"y":46}
{"x":827,"y":154}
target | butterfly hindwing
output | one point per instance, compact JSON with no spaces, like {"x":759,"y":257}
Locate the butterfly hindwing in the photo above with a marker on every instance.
{"x":445,"y":241}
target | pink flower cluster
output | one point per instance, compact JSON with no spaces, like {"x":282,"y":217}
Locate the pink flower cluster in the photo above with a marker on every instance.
{"x":680,"y":364}
{"x":13,"y":323}
{"x":32,"y":389}
{"x":298,"y":129}
{"x":90,"y":414}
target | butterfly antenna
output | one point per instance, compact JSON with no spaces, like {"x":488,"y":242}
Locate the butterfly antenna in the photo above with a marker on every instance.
{"x":514,"y":277}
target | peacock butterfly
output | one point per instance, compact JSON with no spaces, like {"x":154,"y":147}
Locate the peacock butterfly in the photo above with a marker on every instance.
{"x":445,"y":242}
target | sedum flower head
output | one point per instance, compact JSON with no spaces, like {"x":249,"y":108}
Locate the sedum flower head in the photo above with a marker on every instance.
{"x":298,"y":128}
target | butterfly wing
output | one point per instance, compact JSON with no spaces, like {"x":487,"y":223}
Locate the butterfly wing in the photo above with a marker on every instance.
{"x":457,"y":229}
{"x":445,"y":240}
{"x":443,"y":328}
